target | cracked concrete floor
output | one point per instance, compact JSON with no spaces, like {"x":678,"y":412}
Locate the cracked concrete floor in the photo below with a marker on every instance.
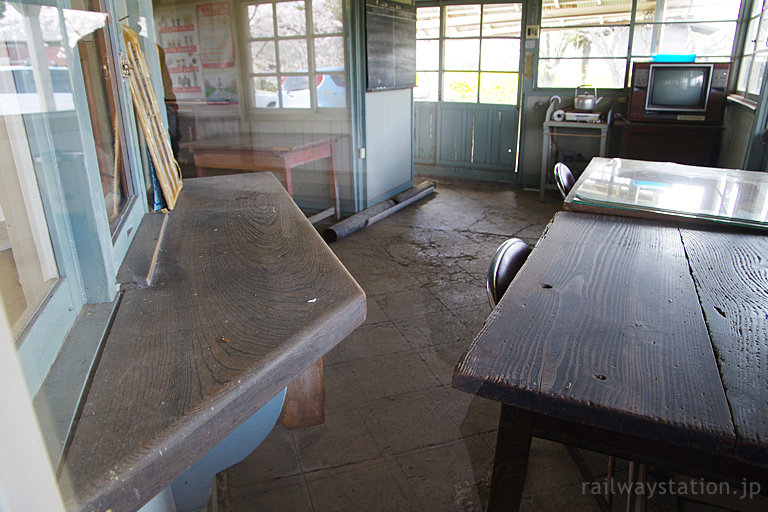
{"x":397,"y":437}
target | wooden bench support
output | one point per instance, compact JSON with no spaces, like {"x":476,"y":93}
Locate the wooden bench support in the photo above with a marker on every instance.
{"x":304,"y":404}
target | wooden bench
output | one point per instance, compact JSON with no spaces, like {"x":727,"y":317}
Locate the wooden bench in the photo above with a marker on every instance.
{"x":243,"y":296}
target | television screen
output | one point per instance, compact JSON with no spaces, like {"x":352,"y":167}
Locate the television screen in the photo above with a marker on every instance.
{"x":679,"y":88}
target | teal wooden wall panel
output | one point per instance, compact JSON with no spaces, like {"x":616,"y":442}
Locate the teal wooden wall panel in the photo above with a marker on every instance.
{"x":425,"y":123}
{"x":455,"y":134}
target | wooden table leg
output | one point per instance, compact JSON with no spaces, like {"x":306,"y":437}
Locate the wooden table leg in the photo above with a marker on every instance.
{"x":288,"y":180}
{"x":513,"y":443}
{"x":333,"y":182}
{"x":304,"y":404}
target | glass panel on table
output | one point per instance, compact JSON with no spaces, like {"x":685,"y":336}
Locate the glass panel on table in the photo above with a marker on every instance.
{"x":603,"y":73}
{"x":462,"y":21}
{"x":427,"y":22}
{"x":426,"y":86}
{"x":502,"y":20}
{"x":460,"y":87}
{"x":722,"y":195}
{"x":498,"y":88}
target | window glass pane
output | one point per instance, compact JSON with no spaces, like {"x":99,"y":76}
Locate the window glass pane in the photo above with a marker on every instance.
{"x":295,"y":92}
{"x":462,"y":21}
{"x":327,"y":16}
{"x":499,"y":88}
{"x":461,"y":54}
{"x":263,"y":57}
{"x":260,"y":21}
{"x":688,"y":10}
{"x":460,"y":87}
{"x":500,"y":55}
{"x":428,"y":55}
{"x":329,"y":53}
{"x":761,"y":41}
{"x":608,"y":41}
{"x":331,"y":91}
{"x":293,"y":55}
{"x":265,"y":91}
{"x":757,"y":6}
{"x":751,"y":40}
{"x":607,"y":73}
{"x":427,"y":22}
{"x":561,"y":13}
{"x":426,"y":87}
{"x":743,"y":74}
{"x":502,"y":20}
{"x":756,"y":74}
{"x":291,"y":19}
{"x":705,"y":39}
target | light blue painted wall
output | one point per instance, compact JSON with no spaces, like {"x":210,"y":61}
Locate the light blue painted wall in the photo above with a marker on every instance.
{"x":389,"y":144}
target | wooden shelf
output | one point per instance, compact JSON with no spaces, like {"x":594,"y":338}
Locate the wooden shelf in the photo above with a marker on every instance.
{"x":245,"y":296}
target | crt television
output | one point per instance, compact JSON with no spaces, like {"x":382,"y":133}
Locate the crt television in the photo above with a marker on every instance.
{"x":678,"y":92}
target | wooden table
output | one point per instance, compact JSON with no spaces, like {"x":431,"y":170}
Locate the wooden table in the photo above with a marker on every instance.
{"x":638,"y":338}
{"x":275,"y":152}
{"x":241,"y":296}
{"x":665,"y":190}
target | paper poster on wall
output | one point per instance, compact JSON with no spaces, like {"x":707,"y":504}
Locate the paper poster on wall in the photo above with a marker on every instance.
{"x":177,"y":35}
{"x":215,"y":31}
{"x":221,"y":87}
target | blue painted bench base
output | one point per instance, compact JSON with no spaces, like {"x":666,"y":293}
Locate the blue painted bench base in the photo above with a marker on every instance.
{"x":192,"y":490}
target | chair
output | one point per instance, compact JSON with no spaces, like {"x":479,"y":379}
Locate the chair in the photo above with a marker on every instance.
{"x":564,"y":178}
{"x":507,"y":260}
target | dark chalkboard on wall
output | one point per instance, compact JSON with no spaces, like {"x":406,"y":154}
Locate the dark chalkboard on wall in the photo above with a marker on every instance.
{"x":390,"y":29}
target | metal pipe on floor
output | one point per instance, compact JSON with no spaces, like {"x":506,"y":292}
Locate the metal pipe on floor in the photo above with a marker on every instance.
{"x":377,"y":212}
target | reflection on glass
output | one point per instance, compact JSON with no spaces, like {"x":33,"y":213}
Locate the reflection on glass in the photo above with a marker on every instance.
{"x":462,"y":21}
{"x":460,"y":87}
{"x":426,"y":87}
{"x":291,"y":18}
{"x":427,"y":22}
{"x":263,"y":57}
{"x":461,"y":54}
{"x":702,"y":39}
{"x":329,"y":53}
{"x":689,"y":10}
{"x":500,"y":55}
{"x":295,"y":92}
{"x":587,"y":12}
{"x":327,"y":16}
{"x":293,"y":55}
{"x":260,"y":20}
{"x":265,"y":91}
{"x":723,"y":195}
{"x":428,"y":55}
{"x":502,"y":20}
{"x":331,"y":91}
{"x":499,"y":88}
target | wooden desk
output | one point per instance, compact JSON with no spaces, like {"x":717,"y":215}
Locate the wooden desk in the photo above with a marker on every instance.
{"x":244,"y":296}
{"x":637,"y":338}
{"x":276,"y":152}
{"x":669,"y":191}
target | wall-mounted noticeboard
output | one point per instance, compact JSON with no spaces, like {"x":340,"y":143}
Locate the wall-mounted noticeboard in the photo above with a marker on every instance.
{"x":390,"y":31}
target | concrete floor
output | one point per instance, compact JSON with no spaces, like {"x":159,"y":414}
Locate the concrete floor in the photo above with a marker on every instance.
{"x":397,"y":437}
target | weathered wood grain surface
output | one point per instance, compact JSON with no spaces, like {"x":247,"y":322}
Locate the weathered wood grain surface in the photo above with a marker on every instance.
{"x":245,"y":296}
{"x":731,"y":274}
{"x":603,"y":326}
